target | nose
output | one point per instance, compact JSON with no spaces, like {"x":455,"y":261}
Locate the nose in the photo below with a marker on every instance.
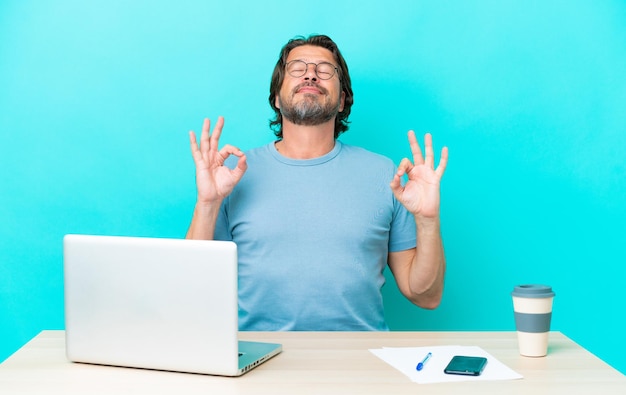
{"x":311,"y":72}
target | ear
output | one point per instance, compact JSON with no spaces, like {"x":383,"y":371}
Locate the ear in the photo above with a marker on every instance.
{"x":343,"y":101}
{"x":276,"y":102}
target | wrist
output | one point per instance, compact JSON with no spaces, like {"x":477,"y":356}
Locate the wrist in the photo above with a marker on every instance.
{"x":432,"y":224}
{"x":204,"y":207}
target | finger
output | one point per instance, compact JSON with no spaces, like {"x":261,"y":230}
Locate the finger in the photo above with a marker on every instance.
{"x":443,"y":162}
{"x":396,"y":183}
{"x":405,"y":167}
{"x":227,"y":151}
{"x":428,"y":147}
{"x":205,"y":145}
{"x":217,"y":132}
{"x":242,"y":166}
{"x":192,"y":138}
{"x":396,"y":186}
{"x":418,"y":159}
{"x":230,"y":150}
{"x":193,"y":143}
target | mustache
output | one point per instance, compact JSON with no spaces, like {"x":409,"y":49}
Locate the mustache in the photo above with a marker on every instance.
{"x":310,"y":83}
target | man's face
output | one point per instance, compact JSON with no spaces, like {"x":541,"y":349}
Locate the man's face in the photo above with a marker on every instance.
{"x":309,"y":100}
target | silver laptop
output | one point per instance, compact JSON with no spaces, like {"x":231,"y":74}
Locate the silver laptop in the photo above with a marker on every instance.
{"x":166,"y":304}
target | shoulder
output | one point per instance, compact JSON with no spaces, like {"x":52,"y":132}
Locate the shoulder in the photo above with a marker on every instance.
{"x":366,"y":156}
{"x":259,"y":152}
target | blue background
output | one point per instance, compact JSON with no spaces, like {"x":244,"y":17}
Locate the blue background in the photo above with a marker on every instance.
{"x":97,"y":98}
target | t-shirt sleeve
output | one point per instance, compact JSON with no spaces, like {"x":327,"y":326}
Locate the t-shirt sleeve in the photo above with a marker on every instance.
{"x":402,"y":235}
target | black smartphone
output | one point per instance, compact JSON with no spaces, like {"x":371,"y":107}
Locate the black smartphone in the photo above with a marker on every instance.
{"x":468,"y":366}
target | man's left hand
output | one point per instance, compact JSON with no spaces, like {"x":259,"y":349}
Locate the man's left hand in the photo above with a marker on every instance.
{"x":421,"y":193}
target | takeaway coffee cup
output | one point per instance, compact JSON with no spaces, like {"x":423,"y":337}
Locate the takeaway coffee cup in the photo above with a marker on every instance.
{"x":532,"y":305}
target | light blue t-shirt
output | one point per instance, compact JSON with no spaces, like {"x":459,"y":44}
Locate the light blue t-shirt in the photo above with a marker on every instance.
{"x":313,"y":238}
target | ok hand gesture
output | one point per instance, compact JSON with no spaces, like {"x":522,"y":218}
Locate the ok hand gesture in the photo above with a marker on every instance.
{"x":214,"y":180}
{"x":421,"y":193}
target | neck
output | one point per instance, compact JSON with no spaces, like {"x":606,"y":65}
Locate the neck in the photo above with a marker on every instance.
{"x":306,"y":142}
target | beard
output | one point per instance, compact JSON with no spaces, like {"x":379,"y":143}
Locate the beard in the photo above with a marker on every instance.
{"x":311,"y":110}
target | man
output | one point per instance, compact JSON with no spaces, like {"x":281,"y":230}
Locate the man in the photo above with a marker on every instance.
{"x":316,"y":220}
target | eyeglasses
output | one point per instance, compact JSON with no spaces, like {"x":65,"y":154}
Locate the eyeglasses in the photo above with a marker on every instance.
{"x":323,"y":70}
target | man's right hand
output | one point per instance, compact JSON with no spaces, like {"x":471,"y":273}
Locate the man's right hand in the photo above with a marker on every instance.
{"x":214,"y":181}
